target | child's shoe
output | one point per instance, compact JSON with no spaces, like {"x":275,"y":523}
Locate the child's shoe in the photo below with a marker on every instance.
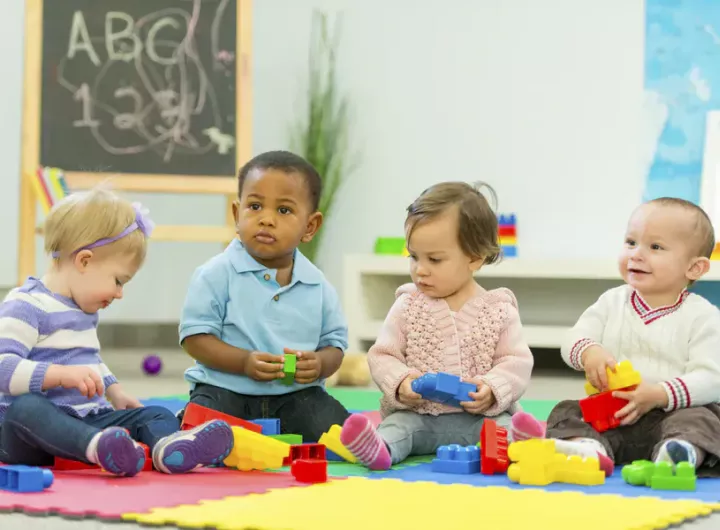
{"x":183,"y":451}
{"x":117,"y":453}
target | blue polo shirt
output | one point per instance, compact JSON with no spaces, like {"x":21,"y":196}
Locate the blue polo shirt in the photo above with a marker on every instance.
{"x":236,"y":299}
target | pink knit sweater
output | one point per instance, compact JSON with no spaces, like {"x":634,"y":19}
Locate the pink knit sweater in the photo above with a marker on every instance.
{"x":481,"y":343}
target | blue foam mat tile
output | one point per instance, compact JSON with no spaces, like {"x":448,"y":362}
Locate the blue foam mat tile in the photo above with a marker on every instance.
{"x":708,"y":490}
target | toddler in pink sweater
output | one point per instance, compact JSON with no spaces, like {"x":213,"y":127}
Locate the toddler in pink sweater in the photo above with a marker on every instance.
{"x":443,"y":322}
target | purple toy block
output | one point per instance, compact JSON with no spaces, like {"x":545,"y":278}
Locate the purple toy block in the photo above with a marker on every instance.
{"x":443,"y":388}
{"x":457,"y":459}
{"x":25,"y":479}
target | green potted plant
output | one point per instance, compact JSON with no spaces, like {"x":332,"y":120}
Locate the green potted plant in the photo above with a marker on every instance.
{"x":321,"y":133}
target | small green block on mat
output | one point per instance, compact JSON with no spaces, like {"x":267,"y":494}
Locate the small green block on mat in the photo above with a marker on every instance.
{"x":290,"y":439}
{"x":289,"y":369}
{"x":390,"y":245}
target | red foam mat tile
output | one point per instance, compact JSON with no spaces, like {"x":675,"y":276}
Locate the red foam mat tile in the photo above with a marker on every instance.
{"x":93,"y":493}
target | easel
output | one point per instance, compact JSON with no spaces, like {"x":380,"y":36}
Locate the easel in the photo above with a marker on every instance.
{"x":226,"y":186}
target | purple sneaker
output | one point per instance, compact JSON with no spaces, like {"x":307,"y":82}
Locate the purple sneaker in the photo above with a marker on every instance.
{"x":182,"y":451}
{"x":118,"y":454}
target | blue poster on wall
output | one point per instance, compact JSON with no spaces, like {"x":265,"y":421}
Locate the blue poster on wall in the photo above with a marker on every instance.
{"x":682,"y":82}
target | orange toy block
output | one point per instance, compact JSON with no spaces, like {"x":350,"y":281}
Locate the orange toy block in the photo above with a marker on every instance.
{"x":624,"y":376}
{"x":599,"y":410}
{"x":197,"y":415}
{"x":536,"y":463}
{"x":256,"y":451}
{"x":493,"y":448}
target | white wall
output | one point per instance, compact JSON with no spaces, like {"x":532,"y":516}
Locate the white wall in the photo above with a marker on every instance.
{"x":541,"y":99}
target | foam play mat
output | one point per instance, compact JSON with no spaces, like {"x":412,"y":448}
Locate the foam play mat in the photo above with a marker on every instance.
{"x":228,"y":499}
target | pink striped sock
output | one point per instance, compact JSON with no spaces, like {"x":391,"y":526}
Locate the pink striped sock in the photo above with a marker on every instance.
{"x":364,"y":442}
{"x":524,"y":426}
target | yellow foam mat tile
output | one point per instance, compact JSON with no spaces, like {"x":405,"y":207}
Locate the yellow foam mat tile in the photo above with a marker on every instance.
{"x":360,"y":503}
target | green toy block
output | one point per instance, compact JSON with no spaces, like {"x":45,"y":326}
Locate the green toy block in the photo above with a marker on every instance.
{"x":289,"y":369}
{"x":661,"y":476}
{"x":684,"y":478}
{"x":291,"y":439}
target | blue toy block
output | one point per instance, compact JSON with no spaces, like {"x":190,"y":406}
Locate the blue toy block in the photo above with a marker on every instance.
{"x":443,"y":388}
{"x":25,"y":479}
{"x":509,"y":251}
{"x":333,"y":457}
{"x":270,"y":426}
{"x":507,"y":220}
{"x":457,"y":459}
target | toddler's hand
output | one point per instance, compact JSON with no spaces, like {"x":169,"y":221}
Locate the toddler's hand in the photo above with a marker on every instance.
{"x":640,"y":401}
{"x":84,"y":378}
{"x":262,"y":366}
{"x":596,"y":360}
{"x":120,"y":400}
{"x":406,"y":395}
{"x":483,"y":399}
{"x":308,"y":367}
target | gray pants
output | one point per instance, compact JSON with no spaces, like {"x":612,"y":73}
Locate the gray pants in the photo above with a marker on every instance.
{"x":409,"y":433}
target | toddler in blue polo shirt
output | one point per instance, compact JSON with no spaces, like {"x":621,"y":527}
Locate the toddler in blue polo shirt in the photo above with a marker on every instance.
{"x":261,"y":298}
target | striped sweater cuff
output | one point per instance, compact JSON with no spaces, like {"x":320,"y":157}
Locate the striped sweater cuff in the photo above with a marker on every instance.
{"x":577,"y":350}
{"x":109,"y":380}
{"x":677,"y":393}
{"x":38,"y":377}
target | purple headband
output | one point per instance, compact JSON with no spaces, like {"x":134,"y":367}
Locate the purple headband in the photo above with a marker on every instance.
{"x":142,"y":222}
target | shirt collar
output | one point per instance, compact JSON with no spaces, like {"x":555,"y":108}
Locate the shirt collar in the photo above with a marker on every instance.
{"x":303,"y":269}
{"x":648,"y":315}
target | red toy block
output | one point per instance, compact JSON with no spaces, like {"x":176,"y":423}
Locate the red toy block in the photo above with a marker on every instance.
{"x":309,"y":471}
{"x":305,"y":452}
{"x":599,"y":410}
{"x":493,"y":448}
{"x":507,"y":231}
{"x":197,"y":415}
{"x":63,"y":464}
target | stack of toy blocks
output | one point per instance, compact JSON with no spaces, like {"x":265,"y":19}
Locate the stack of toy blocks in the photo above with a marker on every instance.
{"x":599,"y":409}
{"x":537,"y":463}
{"x":507,"y":234}
{"x":661,"y":475}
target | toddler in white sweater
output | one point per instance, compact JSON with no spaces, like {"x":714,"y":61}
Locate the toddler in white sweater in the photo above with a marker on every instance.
{"x":671,"y":336}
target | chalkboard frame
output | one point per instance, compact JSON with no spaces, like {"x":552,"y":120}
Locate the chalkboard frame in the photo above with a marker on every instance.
{"x":148,"y":183}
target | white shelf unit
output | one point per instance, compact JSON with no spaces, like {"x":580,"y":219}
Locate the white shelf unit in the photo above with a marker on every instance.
{"x":551,"y":294}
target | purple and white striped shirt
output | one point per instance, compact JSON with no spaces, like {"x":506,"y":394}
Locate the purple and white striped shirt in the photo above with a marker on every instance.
{"x":39,"y":328}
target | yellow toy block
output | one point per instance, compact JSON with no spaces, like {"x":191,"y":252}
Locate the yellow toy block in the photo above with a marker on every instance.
{"x":507,"y":240}
{"x":256,"y":451}
{"x":331,"y":440}
{"x":536,"y":463}
{"x":624,"y":376}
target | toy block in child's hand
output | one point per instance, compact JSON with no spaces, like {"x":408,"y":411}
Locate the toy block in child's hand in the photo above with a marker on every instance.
{"x":289,"y":369}
{"x":195,"y":415}
{"x":624,"y":377}
{"x":660,"y":475}
{"x":493,"y":448}
{"x":443,"y":388}
{"x":599,"y":410}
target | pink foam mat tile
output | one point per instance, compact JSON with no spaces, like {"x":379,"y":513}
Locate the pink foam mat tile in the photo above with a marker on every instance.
{"x":93,"y":493}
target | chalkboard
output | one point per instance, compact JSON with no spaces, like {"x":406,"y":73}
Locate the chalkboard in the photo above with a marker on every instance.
{"x":139,"y":86}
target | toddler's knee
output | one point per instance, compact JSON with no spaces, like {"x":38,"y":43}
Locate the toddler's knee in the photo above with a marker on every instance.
{"x":25,"y":406}
{"x":161,"y":414}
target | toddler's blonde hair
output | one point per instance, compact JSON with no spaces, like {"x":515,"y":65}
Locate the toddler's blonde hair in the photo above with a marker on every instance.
{"x":83,"y":218}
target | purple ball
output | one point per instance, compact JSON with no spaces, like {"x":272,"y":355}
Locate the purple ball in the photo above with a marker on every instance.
{"x":152,"y":364}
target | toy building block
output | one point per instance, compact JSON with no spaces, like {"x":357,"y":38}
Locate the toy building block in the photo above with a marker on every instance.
{"x":197,"y":415}
{"x":333,"y":457}
{"x":25,"y":479}
{"x":536,"y":463}
{"x":509,"y":251}
{"x":255,"y":451}
{"x":309,"y":471}
{"x":331,"y":440}
{"x":289,"y":369}
{"x":269,"y":426}
{"x":599,"y":410}
{"x":305,"y":452}
{"x":443,"y":388}
{"x":290,"y":439}
{"x":624,"y":377}
{"x":457,"y":459}
{"x":660,"y":476}
{"x":507,"y":231}
{"x":507,"y":220}
{"x":508,"y":241}
{"x":493,"y":448}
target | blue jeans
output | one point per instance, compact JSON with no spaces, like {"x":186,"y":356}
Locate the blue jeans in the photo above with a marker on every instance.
{"x":34,"y":430}
{"x":308,"y":412}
